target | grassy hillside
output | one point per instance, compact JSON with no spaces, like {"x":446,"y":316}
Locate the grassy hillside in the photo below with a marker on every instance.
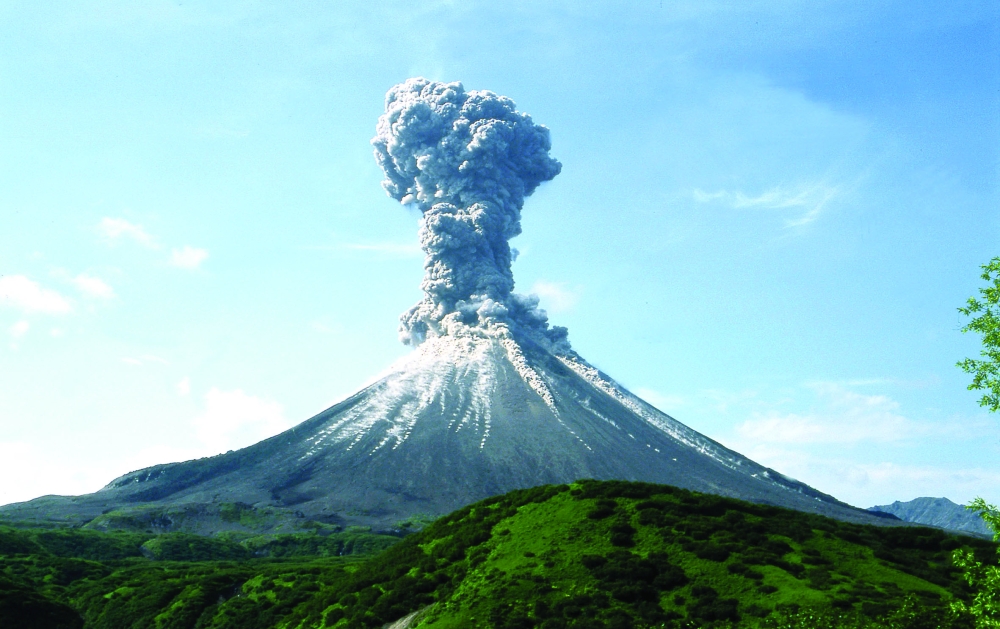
{"x":57,"y":578}
{"x":590,"y":555}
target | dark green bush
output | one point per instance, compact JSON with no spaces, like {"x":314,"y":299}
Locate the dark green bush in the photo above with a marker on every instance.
{"x":23,"y":608}
{"x":604,"y":508}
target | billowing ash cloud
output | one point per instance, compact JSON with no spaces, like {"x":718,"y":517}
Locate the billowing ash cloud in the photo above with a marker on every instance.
{"x":467,"y":160}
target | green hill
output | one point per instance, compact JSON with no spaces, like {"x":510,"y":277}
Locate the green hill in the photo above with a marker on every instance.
{"x":590,"y":555}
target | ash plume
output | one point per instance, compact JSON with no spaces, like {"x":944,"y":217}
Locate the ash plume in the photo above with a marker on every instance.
{"x":467,"y":160}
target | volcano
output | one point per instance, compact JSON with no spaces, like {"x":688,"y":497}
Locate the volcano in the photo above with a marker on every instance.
{"x":492,"y":398}
{"x":458,"y":420}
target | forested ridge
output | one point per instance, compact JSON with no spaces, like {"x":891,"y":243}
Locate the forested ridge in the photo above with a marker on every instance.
{"x":587,"y":555}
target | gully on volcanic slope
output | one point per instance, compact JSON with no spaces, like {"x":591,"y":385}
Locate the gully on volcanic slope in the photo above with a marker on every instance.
{"x":492,"y":398}
{"x":461,"y":418}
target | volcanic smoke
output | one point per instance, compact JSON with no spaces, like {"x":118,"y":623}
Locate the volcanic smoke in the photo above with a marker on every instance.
{"x":467,"y":160}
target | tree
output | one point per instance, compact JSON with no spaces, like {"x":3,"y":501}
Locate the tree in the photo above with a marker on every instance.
{"x":984,"y":578}
{"x":986,"y":321}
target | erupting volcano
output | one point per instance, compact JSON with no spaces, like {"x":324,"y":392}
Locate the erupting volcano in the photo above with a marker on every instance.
{"x":492,"y":398}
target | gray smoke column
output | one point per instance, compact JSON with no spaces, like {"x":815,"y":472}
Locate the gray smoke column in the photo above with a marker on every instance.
{"x":467,"y":160}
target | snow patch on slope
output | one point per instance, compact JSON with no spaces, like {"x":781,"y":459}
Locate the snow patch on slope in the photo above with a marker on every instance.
{"x":456,"y":376}
{"x":663,"y":422}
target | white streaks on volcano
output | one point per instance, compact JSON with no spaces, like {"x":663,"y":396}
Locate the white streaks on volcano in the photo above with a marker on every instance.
{"x":451,"y":379}
{"x":585,"y":403}
{"x":527,"y":373}
{"x":663,"y":422}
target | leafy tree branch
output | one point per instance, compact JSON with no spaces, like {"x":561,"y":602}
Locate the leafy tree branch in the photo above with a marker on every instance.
{"x":985,"y":313}
{"x":984,"y":578}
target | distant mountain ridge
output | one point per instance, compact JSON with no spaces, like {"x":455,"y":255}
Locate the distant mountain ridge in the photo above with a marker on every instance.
{"x":939,"y":512}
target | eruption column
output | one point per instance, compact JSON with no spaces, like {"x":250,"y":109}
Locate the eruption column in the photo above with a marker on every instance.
{"x":467,"y":160}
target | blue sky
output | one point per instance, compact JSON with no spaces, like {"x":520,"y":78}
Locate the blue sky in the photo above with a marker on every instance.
{"x":767,"y":216}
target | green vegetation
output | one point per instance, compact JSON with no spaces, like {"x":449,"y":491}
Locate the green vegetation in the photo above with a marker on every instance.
{"x":984,"y":579}
{"x":23,"y":607}
{"x":75,"y":578}
{"x":589,"y":555}
{"x":986,"y":322}
{"x":205,"y":519}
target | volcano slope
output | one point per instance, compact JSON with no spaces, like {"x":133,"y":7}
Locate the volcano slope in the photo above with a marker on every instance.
{"x":458,"y":420}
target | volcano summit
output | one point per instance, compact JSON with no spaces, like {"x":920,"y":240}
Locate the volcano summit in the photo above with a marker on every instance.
{"x":492,"y":398}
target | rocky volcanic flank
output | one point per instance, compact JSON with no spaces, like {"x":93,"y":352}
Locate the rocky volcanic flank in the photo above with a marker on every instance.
{"x":491,"y":398}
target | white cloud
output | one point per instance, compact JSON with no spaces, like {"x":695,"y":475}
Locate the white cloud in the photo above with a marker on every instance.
{"x":555,"y":297}
{"x":808,"y":199}
{"x":20,"y":460}
{"x":116,"y":228}
{"x":20,"y":292}
{"x":867,"y":483}
{"x":913,"y":481}
{"x":131,"y":361}
{"x":233,"y":419}
{"x":792,"y":428}
{"x":848,"y":417}
{"x":32,"y":470}
{"x":19,"y":329}
{"x":185,"y":257}
{"x":184,"y":386}
{"x":93,"y":286}
{"x":860,"y":447}
{"x":188,"y":257}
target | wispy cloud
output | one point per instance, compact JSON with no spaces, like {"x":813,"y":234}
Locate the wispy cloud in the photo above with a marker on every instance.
{"x":117,"y":228}
{"x":20,"y":292}
{"x":24,"y":460}
{"x":234,"y":419}
{"x":907,"y":482}
{"x":851,"y":441}
{"x":188,"y":257}
{"x":847,"y":417}
{"x":93,"y":286}
{"x":867,"y":483}
{"x":808,"y":200}
{"x":555,"y":296}
{"x":19,"y":329}
{"x":184,"y":386}
{"x":114,"y":229}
